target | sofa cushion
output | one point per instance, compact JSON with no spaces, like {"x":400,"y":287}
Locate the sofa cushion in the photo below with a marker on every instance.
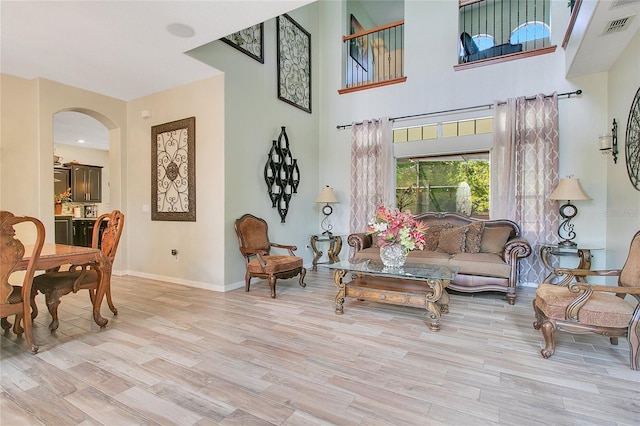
{"x":474,"y":237}
{"x":601,"y":309}
{"x":425,"y":256}
{"x":372,"y":253}
{"x":494,"y":239}
{"x":432,"y":235}
{"x":468,"y":44}
{"x":453,"y":240}
{"x":482,"y":264}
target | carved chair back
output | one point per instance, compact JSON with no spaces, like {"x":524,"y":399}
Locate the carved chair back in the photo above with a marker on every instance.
{"x":630,"y":273}
{"x":111,"y":234}
{"x":253,"y":234}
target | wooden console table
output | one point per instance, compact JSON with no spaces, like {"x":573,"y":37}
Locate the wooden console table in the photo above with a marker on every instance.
{"x":420,"y":286}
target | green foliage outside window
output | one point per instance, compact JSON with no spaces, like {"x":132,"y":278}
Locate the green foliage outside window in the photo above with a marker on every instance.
{"x":434,"y":185}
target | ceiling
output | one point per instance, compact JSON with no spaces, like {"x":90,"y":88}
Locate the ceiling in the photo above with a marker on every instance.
{"x":124,"y":49}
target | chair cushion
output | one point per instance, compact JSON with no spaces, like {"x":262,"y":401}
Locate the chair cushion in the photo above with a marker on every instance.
{"x":52,"y":281}
{"x":275,"y":264}
{"x":468,"y":44}
{"x":602,"y":309}
{"x":16,"y":295}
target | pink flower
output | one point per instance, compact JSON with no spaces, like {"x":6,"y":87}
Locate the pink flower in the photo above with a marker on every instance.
{"x":391,"y":226}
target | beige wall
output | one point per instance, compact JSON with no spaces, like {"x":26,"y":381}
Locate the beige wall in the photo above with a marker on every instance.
{"x":200,"y":249}
{"x":26,"y":171}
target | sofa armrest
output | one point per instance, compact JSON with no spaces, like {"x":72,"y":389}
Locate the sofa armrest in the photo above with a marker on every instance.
{"x":360,"y":241}
{"x":516,"y":248}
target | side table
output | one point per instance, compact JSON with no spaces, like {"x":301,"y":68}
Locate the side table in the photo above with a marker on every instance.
{"x":335,"y":246}
{"x":582,"y":253}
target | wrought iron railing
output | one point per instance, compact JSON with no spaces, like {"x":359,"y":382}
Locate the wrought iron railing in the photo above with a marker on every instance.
{"x":375,"y":56}
{"x":491,"y":28}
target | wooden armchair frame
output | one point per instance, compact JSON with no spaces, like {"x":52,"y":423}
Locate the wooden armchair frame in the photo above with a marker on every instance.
{"x":582,"y":293}
{"x":256,"y":250}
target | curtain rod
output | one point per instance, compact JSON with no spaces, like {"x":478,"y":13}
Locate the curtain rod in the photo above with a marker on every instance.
{"x":487,"y":106}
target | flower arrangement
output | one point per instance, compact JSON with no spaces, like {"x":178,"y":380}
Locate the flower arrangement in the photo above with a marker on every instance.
{"x":64,"y":197}
{"x":391,"y":226}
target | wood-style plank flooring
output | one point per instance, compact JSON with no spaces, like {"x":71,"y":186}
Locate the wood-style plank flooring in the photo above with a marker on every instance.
{"x":177,"y":355}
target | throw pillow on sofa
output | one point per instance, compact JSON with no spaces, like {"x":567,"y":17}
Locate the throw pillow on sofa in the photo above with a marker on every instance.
{"x":453,"y":240}
{"x":494,"y":239}
{"x":474,"y":237}
{"x":432,"y":235}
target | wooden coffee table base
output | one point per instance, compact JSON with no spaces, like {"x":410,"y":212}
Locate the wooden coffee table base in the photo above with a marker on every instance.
{"x":428,"y":293}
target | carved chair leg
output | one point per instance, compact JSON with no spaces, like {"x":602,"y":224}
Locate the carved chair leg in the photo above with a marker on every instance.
{"x":247,"y":279}
{"x":110,"y":302}
{"x":272,"y":285}
{"x":6,"y":325}
{"x":634,"y":344}
{"x":17,"y":325}
{"x":53,"y":300}
{"x":511,"y":298}
{"x":548,"y":331}
{"x":303,"y":272}
{"x":32,"y":302}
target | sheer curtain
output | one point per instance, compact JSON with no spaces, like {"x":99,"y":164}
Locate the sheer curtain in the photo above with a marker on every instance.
{"x":524,"y":163}
{"x":372,"y":170}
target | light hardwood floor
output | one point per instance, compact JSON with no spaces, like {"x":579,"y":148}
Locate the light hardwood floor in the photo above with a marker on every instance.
{"x":180,"y":356}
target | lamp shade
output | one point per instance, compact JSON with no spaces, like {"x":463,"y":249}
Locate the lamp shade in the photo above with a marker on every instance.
{"x":569,"y":189}
{"x":326,"y":196}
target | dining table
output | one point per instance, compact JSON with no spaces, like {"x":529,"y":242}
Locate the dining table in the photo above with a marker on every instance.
{"x":56,"y":255}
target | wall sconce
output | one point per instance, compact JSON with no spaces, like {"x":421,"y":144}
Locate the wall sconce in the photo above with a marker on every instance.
{"x":609,"y":143}
{"x":326,"y":196}
{"x":568,"y":189}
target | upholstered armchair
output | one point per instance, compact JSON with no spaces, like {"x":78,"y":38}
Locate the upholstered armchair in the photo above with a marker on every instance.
{"x":579,"y":307}
{"x":255,"y":247}
{"x":55,"y":284}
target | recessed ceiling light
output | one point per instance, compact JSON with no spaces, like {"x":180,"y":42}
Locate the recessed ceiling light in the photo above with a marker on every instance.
{"x":80,"y":141}
{"x":181,"y":30}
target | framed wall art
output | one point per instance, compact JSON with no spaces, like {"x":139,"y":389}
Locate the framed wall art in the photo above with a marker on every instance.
{"x":249,"y":41}
{"x":173,"y":171}
{"x":358,"y":48}
{"x":294,"y":63}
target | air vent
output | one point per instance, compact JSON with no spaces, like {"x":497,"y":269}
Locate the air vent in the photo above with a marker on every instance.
{"x":618,"y":25}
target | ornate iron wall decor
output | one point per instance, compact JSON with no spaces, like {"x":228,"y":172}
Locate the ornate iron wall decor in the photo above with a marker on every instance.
{"x":294,"y":63}
{"x":249,"y":41}
{"x":173,"y":170}
{"x":282,"y":175}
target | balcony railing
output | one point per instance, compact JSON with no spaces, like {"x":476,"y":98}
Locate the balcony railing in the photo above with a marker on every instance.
{"x":374,"y":57}
{"x":494,"y":28}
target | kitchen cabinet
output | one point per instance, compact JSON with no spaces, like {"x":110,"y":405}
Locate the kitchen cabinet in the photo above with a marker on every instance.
{"x":86,"y":183}
{"x":83,"y":232}
{"x":64,"y":230}
{"x":61,"y":179}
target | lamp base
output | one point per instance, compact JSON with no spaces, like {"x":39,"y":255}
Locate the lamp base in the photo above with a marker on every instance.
{"x":567,"y":243}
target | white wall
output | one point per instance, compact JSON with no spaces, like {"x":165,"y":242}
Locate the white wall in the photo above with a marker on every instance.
{"x":623,"y":200}
{"x":433,"y":85}
{"x":253,"y":117}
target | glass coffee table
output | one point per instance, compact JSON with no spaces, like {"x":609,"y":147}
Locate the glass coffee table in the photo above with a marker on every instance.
{"x":417,"y":285}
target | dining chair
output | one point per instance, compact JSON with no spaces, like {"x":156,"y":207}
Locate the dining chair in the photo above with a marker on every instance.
{"x":579,"y":307}
{"x":255,"y":247}
{"x":14,"y":299}
{"x":55,"y":284}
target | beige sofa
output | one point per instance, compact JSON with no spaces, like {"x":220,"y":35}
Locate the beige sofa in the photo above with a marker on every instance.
{"x":487,"y":252}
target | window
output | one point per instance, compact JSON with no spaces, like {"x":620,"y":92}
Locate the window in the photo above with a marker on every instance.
{"x":451,"y":183}
{"x":530,"y":31}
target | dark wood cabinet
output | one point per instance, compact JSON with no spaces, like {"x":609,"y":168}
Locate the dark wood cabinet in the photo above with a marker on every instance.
{"x":64,"y":230}
{"x":61,"y":179}
{"x":83,"y":232}
{"x":86,"y":183}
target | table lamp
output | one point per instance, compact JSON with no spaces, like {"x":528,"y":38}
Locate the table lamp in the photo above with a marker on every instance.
{"x":568,"y":189}
{"x":326,"y":196}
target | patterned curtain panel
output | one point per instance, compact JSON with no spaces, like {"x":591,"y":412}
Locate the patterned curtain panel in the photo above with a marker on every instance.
{"x":372,"y":170}
{"x":526,"y":137}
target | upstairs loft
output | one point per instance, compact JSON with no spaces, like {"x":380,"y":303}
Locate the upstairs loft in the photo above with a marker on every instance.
{"x":490,"y":31}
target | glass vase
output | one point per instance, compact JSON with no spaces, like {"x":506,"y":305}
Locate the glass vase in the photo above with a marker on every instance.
{"x":393,"y":256}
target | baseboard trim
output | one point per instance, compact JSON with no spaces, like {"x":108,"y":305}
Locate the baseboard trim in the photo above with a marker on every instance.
{"x":188,"y":283}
